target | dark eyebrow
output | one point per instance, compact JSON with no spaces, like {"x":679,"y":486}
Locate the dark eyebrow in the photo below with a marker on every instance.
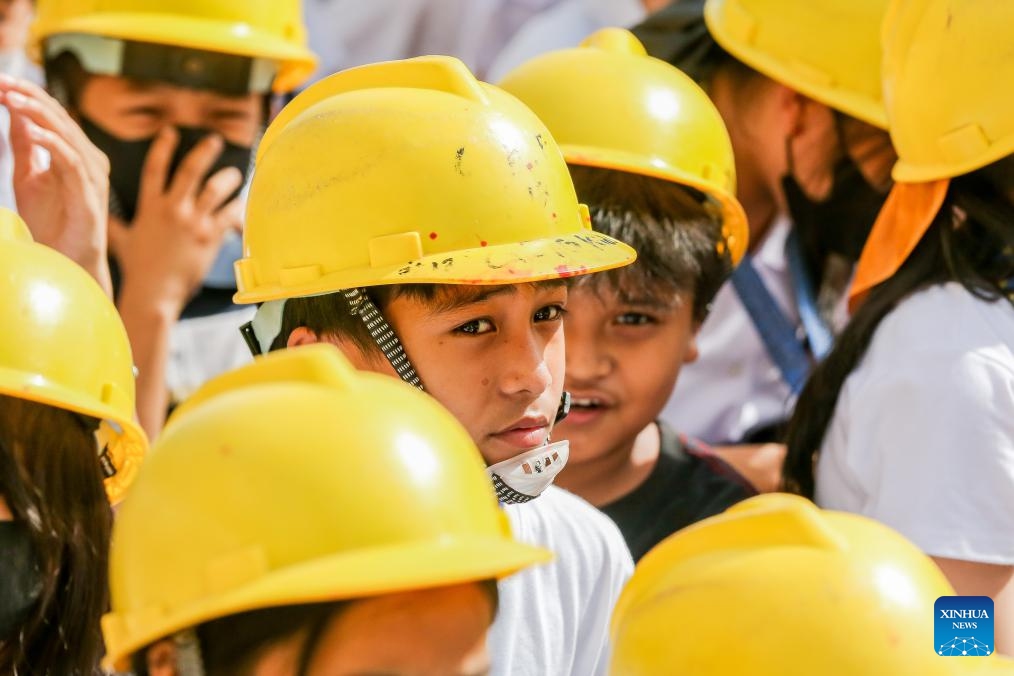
{"x":449,"y":301}
{"x":463,"y":296}
{"x":649,"y":302}
{"x":138,"y":86}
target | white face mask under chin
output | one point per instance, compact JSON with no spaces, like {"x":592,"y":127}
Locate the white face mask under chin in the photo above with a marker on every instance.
{"x":525,"y":476}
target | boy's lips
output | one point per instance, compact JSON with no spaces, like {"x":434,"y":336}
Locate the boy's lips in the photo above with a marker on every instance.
{"x":526,"y":433}
{"x":587,"y":407}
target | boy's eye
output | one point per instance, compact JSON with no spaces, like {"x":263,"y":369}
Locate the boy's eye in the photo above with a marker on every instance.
{"x":230,"y":114}
{"x":550,"y":313}
{"x":145,"y":111}
{"x":475,"y":327}
{"x":634,"y":319}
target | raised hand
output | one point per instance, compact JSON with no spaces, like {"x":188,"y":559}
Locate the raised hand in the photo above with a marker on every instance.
{"x":179,"y":224}
{"x":65,"y":201}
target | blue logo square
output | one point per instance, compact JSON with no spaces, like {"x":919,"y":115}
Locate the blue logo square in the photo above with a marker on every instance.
{"x":963,"y":626}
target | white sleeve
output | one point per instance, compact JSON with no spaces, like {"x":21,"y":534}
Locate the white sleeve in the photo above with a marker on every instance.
{"x":939,"y":437}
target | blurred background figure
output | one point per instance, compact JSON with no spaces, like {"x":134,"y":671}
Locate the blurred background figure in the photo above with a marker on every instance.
{"x":176,"y":97}
{"x":566,"y":24}
{"x":15,"y":19}
{"x":798,"y":86}
{"x":348,"y":33}
{"x":910,"y":418}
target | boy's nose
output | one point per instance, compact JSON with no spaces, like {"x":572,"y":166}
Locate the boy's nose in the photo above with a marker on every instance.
{"x":525,"y":369}
{"x":586,"y":361}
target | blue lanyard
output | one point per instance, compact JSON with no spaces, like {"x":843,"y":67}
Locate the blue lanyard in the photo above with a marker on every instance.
{"x":818,"y":333}
{"x":793,"y":356}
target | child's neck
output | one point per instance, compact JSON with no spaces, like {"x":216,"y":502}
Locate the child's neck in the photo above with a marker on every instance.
{"x":616,"y":474}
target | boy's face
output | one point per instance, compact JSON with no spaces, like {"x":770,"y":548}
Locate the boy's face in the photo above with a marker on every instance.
{"x":493,"y":356}
{"x":15,"y":19}
{"x":623,"y":355}
{"x":133,"y":109}
{"x":436,"y":631}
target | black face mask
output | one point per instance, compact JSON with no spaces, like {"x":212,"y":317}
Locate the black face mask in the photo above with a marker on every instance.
{"x":838,"y":224}
{"x":20,"y":577}
{"x":126,"y":159}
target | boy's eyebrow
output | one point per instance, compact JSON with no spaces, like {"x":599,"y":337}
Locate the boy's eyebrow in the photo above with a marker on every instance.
{"x":139,"y":86}
{"x":647,"y":301}
{"x":462,"y":297}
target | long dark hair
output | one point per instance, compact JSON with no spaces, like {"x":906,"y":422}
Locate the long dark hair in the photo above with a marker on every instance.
{"x":51,"y":480}
{"x":971,"y":241}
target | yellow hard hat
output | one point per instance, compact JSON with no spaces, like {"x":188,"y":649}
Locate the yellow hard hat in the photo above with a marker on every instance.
{"x":776,"y":586}
{"x":65,"y":346}
{"x":296,"y":480}
{"x":828,"y":50}
{"x":610,"y":105}
{"x":411,"y":172}
{"x":265,"y":29}
{"x":946,"y":69}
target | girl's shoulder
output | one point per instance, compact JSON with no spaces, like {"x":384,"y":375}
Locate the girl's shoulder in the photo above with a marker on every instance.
{"x":947,"y":319}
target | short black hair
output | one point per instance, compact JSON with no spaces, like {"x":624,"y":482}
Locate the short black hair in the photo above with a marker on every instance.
{"x":330,"y":315}
{"x":674,"y":229}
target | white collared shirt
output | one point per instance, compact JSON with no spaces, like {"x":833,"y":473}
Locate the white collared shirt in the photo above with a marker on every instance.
{"x":922,"y":438}
{"x":734,"y":387}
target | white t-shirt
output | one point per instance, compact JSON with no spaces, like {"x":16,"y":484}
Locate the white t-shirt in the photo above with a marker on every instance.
{"x":564,"y":25}
{"x":734,"y":387}
{"x":201,"y":348}
{"x":554,"y":619}
{"x":922,"y":438}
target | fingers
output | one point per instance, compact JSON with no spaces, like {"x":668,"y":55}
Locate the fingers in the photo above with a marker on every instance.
{"x":117,"y":236}
{"x":64,"y":160}
{"x":218,"y":189}
{"x":21,"y":148}
{"x":31,"y":98}
{"x":194,"y":167}
{"x":45,"y":111}
{"x":156,"y":165}
{"x":231,"y":217}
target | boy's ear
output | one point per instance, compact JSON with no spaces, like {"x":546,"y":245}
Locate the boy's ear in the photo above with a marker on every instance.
{"x":302,"y":336}
{"x":793,"y":109}
{"x":351,"y":351}
{"x":692,"y":352}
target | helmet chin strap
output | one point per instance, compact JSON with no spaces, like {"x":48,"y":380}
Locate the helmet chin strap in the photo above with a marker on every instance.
{"x":564,"y":409}
{"x":383,"y":335}
{"x":189,"y":660}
